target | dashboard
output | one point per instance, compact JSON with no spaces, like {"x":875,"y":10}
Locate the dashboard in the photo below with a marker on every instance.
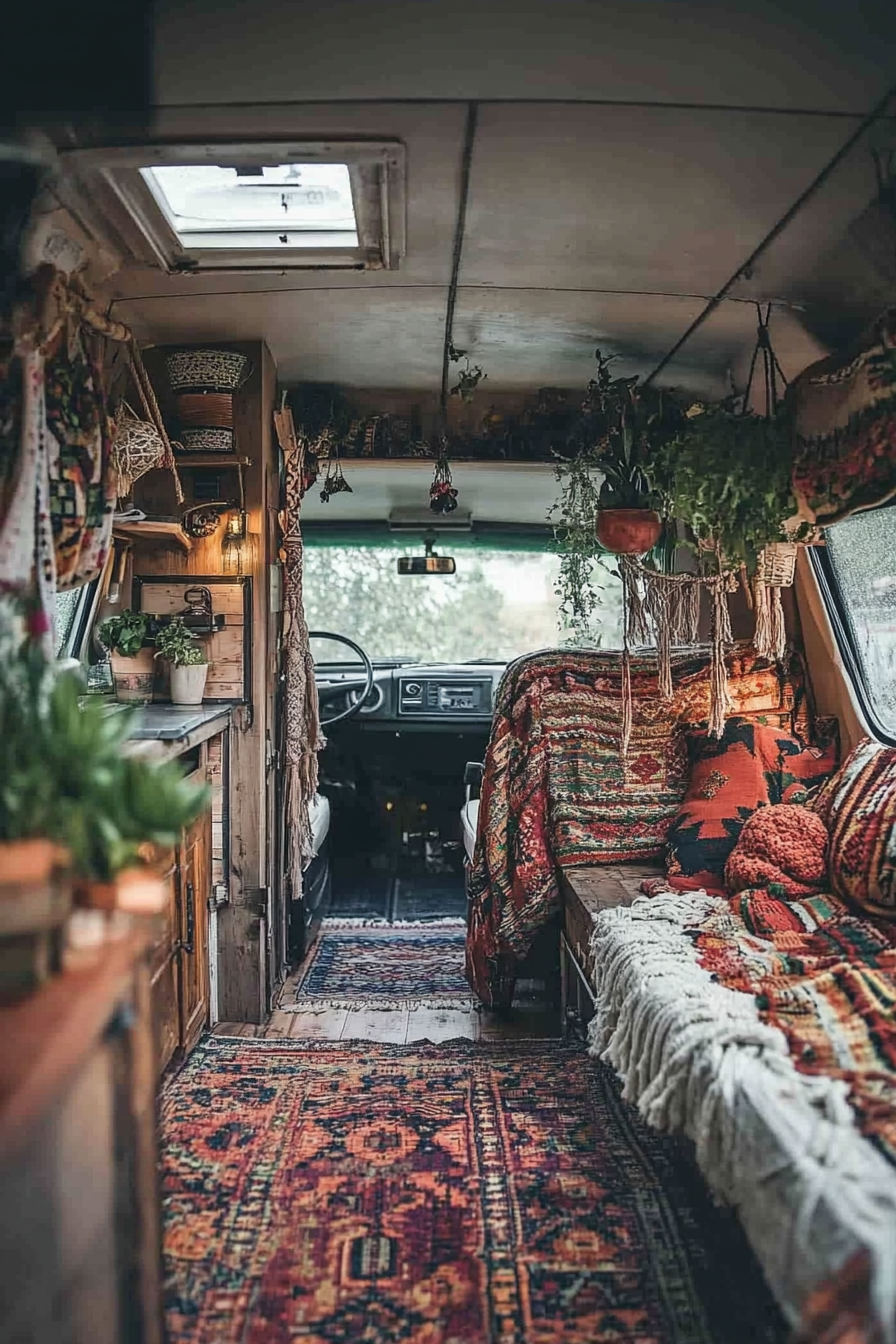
{"x":412,"y":695}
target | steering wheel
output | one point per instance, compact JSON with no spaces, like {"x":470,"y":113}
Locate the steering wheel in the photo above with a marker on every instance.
{"x":366,"y":682}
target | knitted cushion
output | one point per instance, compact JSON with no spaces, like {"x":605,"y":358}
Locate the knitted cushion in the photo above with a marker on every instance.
{"x":858,"y":805}
{"x":750,"y":766}
{"x":783,"y":849}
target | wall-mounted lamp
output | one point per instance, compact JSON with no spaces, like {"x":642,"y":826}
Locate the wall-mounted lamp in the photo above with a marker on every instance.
{"x":232,"y":542}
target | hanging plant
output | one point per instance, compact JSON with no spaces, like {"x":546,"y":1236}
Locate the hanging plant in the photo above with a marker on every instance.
{"x":468,"y":378}
{"x":730,"y":481}
{"x":628,"y":424}
{"x":572,"y":517}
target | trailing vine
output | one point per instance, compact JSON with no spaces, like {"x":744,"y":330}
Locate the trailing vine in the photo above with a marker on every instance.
{"x":572,"y":517}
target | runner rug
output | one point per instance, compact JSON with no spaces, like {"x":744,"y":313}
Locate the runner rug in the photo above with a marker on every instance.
{"x":386,"y":967}
{"x":455,"y":1194}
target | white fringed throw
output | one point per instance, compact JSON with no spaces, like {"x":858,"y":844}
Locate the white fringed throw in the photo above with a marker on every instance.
{"x":780,"y":1145}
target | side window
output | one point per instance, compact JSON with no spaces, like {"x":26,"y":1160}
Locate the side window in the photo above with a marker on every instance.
{"x":67,"y":604}
{"x":860,"y":566}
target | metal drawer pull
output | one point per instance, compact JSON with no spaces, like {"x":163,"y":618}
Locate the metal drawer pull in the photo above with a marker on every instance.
{"x":187,"y":944}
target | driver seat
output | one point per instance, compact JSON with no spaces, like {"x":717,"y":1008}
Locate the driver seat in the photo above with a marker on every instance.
{"x":469,"y":816}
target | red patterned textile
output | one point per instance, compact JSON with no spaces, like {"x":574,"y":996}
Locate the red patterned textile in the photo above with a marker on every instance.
{"x":751,"y":766}
{"x":557,"y":789}
{"x":783,"y":849}
{"x":825,"y":975}
{"x":858,"y":806}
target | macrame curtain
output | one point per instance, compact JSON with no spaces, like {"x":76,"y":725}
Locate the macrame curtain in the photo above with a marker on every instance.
{"x":664,"y":610}
{"x":303,"y":738}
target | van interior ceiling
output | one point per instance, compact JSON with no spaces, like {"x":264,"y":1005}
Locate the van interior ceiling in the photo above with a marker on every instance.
{"x":448,"y":673}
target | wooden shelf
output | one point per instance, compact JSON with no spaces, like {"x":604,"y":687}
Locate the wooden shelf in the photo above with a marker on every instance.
{"x":212,"y":460}
{"x":167,"y":534}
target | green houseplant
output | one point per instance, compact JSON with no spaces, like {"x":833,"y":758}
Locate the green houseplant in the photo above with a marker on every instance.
{"x":626,"y":424}
{"x":127,"y":637}
{"x":189,"y":667}
{"x":729,"y":478}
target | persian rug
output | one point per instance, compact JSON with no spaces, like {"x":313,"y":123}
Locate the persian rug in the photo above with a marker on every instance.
{"x":383,"y":966}
{"x":455,"y":1194}
{"x":558,"y":790}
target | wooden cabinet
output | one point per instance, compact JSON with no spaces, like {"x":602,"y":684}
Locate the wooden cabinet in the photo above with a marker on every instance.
{"x":179,"y":965}
{"x":79,"y":1216}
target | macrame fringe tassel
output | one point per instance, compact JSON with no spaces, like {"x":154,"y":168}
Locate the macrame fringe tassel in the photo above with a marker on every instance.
{"x":720,"y":702}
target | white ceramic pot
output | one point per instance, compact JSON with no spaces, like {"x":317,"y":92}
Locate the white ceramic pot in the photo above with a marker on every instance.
{"x":188,"y":684}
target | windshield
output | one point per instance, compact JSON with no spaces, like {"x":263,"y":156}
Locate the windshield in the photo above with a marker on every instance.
{"x":499,"y":604}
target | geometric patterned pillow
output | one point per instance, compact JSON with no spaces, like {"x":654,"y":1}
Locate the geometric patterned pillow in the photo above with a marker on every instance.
{"x":858,"y":806}
{"x":750,"y":766}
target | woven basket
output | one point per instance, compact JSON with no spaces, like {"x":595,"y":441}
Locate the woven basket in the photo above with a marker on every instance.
{"x":205,"y":410}
{"x":207,"y":440}
{"x":777,"y":564}
{"x":207,"y":370}
{"x":137,"y":447}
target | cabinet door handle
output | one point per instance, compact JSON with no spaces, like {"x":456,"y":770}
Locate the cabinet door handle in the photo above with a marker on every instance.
{"x":187,"y":943}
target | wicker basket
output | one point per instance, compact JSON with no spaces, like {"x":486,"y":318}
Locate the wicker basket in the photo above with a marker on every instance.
{"x":777,"y":564}
{"x":207,"y":370}
{"x":137,"y":447}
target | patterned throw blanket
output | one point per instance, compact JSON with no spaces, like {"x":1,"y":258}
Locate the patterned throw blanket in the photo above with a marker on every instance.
{"x":824,"y":974}
{"x":557,"y":789}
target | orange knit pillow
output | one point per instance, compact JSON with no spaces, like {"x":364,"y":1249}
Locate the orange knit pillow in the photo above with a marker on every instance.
{"x":783,"y":849}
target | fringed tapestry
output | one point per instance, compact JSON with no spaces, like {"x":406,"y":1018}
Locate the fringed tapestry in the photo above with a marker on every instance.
{"x":302,"y":732}
{"x":845,"y":422}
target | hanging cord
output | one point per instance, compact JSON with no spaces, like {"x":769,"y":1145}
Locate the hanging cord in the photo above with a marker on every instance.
{"x":152,"y":412}
{"x":878,"y":111}
{"x":459,"y":232}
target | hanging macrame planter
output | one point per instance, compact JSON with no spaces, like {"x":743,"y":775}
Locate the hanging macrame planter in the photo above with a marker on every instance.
{"x":776,"y":568}
{"x":663,"y":610}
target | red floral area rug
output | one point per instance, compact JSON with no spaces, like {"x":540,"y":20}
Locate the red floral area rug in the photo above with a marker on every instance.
{"x":388,"y":968}
{"x":437,"y":1194}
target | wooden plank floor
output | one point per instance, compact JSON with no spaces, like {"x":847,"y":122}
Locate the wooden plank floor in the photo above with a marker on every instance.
{"x":400,"y":1026}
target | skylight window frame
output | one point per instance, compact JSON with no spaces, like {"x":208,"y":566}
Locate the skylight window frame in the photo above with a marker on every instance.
{"x":110,"y":180}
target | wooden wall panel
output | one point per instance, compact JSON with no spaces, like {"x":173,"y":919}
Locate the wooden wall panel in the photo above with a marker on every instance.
{"x":243,"y":995}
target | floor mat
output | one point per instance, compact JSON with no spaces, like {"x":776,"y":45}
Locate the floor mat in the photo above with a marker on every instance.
{"x":381,"y":968}
{"x":361,"y":896}
{"x":365,"y":1193}
{"x":431,"y":897}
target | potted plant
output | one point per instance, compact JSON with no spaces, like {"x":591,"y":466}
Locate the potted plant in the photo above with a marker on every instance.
{"x":729,"y":480}
{"x":626,"y":424}
{"x":107,"y":807}
{"x":35,"y":894}
{"x":188,"y":664}
{"x":127,"y":637}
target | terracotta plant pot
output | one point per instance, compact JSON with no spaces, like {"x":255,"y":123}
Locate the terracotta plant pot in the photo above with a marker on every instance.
{"x":35,"y":899}
{"x":136,"y":891}
{"x":188,"y":684}
{"x":133,"y":677}
{"x":628,"y":531}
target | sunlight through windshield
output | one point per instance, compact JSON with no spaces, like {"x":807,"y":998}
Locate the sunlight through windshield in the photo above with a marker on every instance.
{"x":499,"y":604}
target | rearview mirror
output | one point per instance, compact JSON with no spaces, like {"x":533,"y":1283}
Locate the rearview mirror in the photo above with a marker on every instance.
{"x":427,"y":564}
{"x":430,"y":563}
